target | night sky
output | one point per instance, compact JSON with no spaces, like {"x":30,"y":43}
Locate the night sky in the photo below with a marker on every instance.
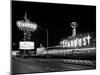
{"x":54,"y":17}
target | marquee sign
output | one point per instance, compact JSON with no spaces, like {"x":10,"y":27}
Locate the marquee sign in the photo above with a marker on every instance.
{"x":26,"y":45}
{"x":77,"y":42}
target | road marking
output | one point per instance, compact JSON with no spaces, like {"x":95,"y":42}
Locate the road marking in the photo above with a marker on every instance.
{"x":70,"y":66}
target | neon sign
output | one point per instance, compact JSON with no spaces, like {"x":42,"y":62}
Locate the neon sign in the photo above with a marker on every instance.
{"x":77,"y":42}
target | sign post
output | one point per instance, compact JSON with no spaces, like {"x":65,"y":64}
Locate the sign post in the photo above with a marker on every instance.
{"x":27,"y":27}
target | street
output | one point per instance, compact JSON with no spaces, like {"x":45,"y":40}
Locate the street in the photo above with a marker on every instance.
{"x":40,"y":65}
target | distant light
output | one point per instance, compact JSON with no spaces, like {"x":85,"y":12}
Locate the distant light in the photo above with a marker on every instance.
{"x":14,"y":43}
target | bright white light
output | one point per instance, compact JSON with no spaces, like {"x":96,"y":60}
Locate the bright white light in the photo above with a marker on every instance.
{"x":26,"y":25}
{"x":78,"y":42}
{"x":26,"y":45}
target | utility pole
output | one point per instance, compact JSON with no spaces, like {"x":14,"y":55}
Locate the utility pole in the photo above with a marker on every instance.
{"x":47,"y":39}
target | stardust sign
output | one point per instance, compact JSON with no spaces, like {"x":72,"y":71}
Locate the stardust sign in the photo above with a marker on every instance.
{"x":77,"y":42}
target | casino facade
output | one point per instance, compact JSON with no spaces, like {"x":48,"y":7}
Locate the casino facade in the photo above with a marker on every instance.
{"x":75,"y":46}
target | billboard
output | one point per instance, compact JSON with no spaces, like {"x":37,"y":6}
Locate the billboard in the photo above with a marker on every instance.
{"x":26,"y":45}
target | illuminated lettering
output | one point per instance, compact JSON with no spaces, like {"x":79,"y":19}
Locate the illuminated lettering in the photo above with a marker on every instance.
{"x":68,"y":45}
{"x":72,"y":43}
{"x":66,"y":42}
{"x":84,"y":41}
{"x":80,"y":42}
{"x":76,"y":42}
{"x":88,"y":38}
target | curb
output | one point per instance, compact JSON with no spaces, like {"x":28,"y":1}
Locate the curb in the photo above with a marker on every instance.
{"x":81,"y":62}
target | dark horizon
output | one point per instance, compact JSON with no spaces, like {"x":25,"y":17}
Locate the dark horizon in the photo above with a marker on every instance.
{"x":54,"y":17}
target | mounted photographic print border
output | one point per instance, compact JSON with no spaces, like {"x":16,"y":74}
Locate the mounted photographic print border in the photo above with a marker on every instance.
{"x":55,"y":37}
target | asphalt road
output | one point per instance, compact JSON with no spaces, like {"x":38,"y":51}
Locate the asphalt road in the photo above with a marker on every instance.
{"x":40,"y":65}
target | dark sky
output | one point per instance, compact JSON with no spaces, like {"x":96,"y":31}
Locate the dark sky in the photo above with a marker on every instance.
{"x":54,"y":17}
